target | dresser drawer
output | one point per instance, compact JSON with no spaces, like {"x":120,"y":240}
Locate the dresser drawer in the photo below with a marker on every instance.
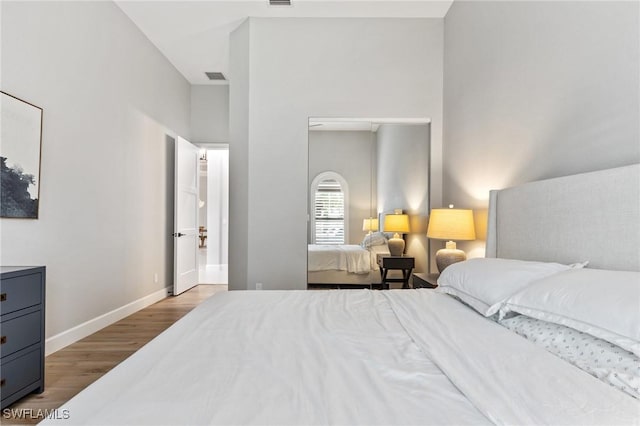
{"x":18,"y":333}
{"x":20,"y":292}
{"x":20,"y":373}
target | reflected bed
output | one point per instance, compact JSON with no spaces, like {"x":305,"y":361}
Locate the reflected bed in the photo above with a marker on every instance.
{"x":344,"y":264}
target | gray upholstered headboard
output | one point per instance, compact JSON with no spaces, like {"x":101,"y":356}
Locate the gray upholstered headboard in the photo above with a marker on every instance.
{"x":590,"y":216}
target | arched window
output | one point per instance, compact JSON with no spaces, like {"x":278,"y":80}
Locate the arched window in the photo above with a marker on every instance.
{"x":329,"y":212}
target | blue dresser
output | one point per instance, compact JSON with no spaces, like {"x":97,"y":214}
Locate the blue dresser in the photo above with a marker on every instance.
{"x":22,"y":297}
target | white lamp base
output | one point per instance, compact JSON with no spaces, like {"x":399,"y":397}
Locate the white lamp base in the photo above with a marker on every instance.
{"x":396,"y":245}
{"x":447,"y":256}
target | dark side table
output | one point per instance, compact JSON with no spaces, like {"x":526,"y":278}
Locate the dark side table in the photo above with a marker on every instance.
{"x":424,"y":280}
{"x":401,"y":263}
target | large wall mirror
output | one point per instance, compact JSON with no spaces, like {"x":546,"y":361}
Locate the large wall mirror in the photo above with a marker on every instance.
{"x":361,"y":170}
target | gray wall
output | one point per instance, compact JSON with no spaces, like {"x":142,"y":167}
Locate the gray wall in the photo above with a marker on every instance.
{"x":352,"y":155}
{"x":534,"y":90}
{"x":301,"y":68}
{"x":403,"y":181}
{"x":110,"y":99}
{"x":239,"y":70}
{"x":210,"y":114}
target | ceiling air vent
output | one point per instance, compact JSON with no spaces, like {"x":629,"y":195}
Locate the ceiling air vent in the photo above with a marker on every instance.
{"x":280,"y":2}
{"x":215,"y":76}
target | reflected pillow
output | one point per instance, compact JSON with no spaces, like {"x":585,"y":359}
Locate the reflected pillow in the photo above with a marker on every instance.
{"x":374,"y":239}
{"x":602,"y":303}
{"x":485,"y":283}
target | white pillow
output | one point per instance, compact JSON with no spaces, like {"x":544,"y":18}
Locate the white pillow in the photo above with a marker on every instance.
{"x":607,"y":362}
{"x":605,"y":304}
{"x":374,"y":239}
{"x":381,"y":249}
{"x":484,"y":283}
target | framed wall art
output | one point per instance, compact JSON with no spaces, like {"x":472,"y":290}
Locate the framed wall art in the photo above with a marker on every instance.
{"x":20,"y":144}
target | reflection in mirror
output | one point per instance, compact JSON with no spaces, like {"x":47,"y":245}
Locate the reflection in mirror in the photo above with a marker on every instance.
{"x":359,"y":171}
{"x":329,"y":207}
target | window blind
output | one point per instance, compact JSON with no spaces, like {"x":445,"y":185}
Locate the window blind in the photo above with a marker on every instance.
{"x":329,"y":213}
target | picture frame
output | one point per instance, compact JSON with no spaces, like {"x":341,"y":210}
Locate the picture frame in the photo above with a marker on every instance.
{"x":20,"y":152}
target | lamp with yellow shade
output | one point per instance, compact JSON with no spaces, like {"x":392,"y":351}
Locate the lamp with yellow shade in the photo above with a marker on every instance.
{"x":370,"y":225}
{"x":450,"y":224}
{"x":398,"y":224}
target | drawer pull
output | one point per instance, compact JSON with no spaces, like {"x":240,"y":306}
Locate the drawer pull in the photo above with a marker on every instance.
{"x":3,"y":340}
{"x":3,"y":297}
{"x":2,"y":382}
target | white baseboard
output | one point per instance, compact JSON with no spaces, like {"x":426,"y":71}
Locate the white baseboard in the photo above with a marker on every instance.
{"x":60,"y":340}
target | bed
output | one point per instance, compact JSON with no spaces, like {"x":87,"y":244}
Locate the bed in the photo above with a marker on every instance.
{"x":345,"y":264}
{"x":407,"y":356}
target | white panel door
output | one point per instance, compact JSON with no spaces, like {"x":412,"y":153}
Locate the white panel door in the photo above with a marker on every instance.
{"x":185,"y":221}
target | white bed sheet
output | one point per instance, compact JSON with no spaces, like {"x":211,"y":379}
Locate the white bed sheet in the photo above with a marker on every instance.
{"x":342,"y":277}
{"x":509,"y":379}
{"x":352,"y":357}
{"x":351,"y":258}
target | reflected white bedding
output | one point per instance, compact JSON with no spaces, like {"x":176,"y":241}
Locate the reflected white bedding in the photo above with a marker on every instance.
{"x":349,"y":257}
{"x":344,"y":357}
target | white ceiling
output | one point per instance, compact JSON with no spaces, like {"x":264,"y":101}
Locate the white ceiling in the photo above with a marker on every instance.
{"x":194,"y":35}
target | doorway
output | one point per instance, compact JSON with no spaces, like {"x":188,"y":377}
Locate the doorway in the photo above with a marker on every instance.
{"x":213,"y":214}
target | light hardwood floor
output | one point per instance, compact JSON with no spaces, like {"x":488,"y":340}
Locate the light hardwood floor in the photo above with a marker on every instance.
{"x":75,"y":367}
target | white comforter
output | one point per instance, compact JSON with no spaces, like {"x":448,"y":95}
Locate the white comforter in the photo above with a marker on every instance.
{"x":350,"y":258}
{"x":344,"y":357}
